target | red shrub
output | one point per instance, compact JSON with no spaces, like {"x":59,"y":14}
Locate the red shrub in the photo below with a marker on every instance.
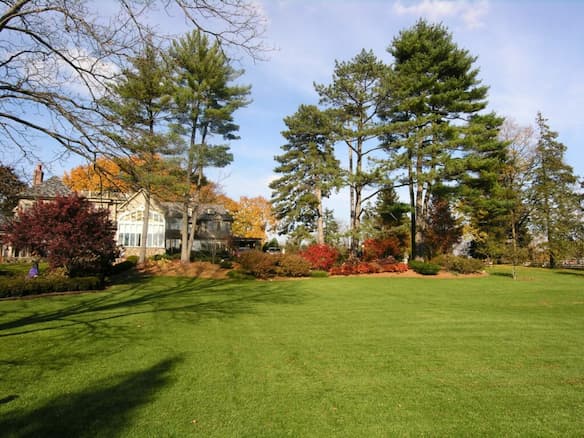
{"x":353,"y":267}
{"x":320,"y":256}
{"x":374,"y":249}
{"x":395,"y":267}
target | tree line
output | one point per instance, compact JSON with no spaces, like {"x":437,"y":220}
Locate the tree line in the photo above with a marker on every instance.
{"x":162,"y":108}
{"x":421,"y":123}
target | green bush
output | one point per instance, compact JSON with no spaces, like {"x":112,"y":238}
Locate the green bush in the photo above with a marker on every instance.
{"x":319,"y":274}
{"x":292,"y":265}
{"x":133,"y":259}
{"x":21,"y":286}
{"x":424,"y":268}
{"x":460,"y":265}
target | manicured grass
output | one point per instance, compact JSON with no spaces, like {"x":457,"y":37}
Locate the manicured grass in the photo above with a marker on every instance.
{"x":19,"y":268}
{"x":319,"y":357}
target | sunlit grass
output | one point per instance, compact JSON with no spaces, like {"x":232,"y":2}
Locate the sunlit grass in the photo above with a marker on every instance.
{"x":320,"y":357}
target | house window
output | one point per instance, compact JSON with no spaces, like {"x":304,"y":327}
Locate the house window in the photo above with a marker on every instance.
{"x":130,"y":229}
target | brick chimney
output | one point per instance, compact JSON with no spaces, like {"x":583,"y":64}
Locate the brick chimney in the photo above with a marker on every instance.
{"x":37,"y":178}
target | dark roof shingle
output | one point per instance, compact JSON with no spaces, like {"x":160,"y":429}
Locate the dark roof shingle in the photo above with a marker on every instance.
{"x":48,"y":189}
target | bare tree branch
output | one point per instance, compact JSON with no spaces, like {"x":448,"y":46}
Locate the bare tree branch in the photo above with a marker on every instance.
{"x":58,"y":58}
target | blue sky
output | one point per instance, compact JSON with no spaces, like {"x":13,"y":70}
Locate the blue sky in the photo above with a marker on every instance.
{"x":530,"y":54}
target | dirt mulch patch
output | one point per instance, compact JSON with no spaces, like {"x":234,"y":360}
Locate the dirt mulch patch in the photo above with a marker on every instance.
{"x":213,"y":271}
{"x":176,"y":268}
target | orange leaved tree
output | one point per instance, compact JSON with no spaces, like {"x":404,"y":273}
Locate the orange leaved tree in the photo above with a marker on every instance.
{"x":253,"y":217}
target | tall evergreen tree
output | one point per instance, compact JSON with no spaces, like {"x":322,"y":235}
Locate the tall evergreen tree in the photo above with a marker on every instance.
{"x":137,"y":104}
{"x":10,"y":186}
{"x":332,"y":234}
{"x":555,"y":201}
{"x":433,"y":91}
{"x":356,"y":95}
{"x":390,"y":210}
{"x":481,"y":190}
{"x":205,"y":98}
{"x":309,"y":169}
{"x":388,"y":217}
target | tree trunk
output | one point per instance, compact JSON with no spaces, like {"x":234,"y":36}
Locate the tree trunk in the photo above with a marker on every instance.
{"x":413,"y":218}
{"x":145,"y":222}
{"x":186,"y":239}
{"x":352,"y":248}
{"x":194,"y":217}
{"x":419,"y":230}
{"x":184,"y":235}
{"x":358,"y":195}
{"x":195,"y":206}
{"x":514,"y":243}
{"x":320,"y":218}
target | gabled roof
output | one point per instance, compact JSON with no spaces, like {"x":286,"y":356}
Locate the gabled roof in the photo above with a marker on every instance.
{"x":141,"y":194}
{"x":211,"y":211}
{"x":48,"y":189}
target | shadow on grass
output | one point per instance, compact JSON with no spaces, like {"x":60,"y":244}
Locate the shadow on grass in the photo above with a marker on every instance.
{"x":574,"y":273}
{"x":187,"y":299}
{"x":103,"y":409}
{"x":501,"y":274}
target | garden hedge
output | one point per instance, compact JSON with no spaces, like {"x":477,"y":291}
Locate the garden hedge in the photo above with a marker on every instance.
{"x":17,"y":286}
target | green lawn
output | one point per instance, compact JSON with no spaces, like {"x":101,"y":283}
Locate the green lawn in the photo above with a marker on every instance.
{"x":321,"y":357}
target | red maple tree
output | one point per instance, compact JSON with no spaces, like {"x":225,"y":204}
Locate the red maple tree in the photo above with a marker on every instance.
{"x":69,"y":232}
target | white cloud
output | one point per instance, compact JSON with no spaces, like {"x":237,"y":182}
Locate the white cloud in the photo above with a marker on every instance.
{"x":470,"y":12}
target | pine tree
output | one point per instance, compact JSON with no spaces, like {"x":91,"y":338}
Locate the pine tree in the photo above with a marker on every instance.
{"x":554,"y":200}
{"x":391,"y":212}
{"x":10,"y":187}
{"x":356,"y":95}
{"x":205,"y":98}
{"x":433,"y":90}
{"x":481,"y":191}
{"x":332,"y":234}
{"x":137,"y":104}
{"x":309,"y":170}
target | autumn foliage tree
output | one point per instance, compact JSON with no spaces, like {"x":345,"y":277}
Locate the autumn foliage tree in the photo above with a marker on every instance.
{"x":107,"y":174}
{"x":102,"y":175}
{"x":443,"y":228}
{"x":253,"y":217}
{"x":375,"y":249}
{"x":69,"y":232}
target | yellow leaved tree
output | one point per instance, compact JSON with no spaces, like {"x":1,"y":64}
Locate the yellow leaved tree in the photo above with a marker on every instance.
{"x":253,"y":217}
{"x":102,"y":176}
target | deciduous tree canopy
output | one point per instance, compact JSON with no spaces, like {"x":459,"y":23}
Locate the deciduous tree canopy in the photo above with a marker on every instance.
{"x":69,"y":232}
{"x":253,"y":217}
